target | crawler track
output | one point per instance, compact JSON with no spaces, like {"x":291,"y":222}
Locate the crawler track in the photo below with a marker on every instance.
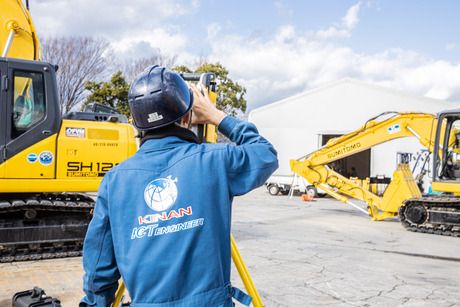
{"x":42,"y":226}
{"x":436,"y":215}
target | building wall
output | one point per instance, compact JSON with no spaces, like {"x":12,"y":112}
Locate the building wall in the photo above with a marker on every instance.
{"x":294,"y":124}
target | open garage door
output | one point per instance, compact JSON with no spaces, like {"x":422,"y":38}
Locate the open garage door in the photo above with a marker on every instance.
{"x":357,"y":165}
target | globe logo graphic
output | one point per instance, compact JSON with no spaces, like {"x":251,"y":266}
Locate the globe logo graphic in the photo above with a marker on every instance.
{"x":45,"y":158}
{"x":160,"y":194}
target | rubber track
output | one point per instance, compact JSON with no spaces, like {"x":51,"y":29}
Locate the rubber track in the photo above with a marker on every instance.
{"x":447,"y":204}
{"x":65,"y":202}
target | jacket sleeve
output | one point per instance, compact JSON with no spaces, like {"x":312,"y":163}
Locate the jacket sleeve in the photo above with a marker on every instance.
{"x":251,"y":160}
{"x":100,"y":280}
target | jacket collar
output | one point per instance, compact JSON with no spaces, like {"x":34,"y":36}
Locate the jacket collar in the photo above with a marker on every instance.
{"x":166,"y":137}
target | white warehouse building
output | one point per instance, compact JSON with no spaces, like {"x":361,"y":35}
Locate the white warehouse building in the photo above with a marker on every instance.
{"x":302,"y":123}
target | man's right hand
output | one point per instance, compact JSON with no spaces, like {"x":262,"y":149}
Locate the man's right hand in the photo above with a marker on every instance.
{"x":204,"y":111}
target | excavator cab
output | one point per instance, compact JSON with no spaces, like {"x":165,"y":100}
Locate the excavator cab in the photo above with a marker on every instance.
{"x":446,"y":157}
{"x":29,"y":110}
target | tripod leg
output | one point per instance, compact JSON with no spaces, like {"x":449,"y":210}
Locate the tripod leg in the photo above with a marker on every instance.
{"x":119,"y":295}
{"x":244,"y":274}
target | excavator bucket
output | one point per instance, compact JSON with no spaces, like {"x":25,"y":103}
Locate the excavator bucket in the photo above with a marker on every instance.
{"x":402,"y":187}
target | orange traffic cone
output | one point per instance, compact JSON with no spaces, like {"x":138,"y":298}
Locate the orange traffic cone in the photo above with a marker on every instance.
{"x":307,"y":197}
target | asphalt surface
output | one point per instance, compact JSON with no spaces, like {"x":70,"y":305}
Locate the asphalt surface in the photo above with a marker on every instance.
{"x":303,"y":254}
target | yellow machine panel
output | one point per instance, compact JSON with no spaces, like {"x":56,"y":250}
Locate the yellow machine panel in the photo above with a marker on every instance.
{"x":37,"y":161}
{"x":447,"y":187}
{"x":86,"y":150}
{"x":90,"y":149}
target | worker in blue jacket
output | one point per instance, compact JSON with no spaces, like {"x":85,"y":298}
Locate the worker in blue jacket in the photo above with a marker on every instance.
{"x":162,"y":218}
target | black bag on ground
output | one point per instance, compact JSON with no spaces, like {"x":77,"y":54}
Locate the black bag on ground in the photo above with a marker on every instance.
{"x":34,"y":298}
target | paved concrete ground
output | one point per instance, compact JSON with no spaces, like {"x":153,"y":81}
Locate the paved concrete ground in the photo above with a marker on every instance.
{"x":304,"y":254}
{"x":327,"y":253}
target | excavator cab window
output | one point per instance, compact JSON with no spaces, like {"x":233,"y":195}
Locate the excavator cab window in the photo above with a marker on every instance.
{"x":28,"y":101}
{"x":448,"y":148}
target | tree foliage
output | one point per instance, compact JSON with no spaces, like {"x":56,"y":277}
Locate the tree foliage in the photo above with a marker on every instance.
{"x":80,"y":59}
{"x":113,"y":93}
{"x":230,"y":93}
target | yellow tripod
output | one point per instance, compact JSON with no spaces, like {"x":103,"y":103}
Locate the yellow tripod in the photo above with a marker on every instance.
{"x":208,"y":133}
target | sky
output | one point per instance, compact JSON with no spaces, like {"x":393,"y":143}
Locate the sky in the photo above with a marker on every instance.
{"x":280,"y":48}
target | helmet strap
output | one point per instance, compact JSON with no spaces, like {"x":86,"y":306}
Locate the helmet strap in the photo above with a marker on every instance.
{"x":190,"y":120}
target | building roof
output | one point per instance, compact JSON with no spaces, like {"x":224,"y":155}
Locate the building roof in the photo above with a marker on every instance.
{"x":335,"y":85}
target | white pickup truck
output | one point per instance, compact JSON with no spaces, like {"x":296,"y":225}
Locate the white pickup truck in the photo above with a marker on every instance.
{"x":282,"y":185}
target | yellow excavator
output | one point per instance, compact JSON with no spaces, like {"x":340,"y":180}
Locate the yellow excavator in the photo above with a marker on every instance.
{"x":440,"y":134}
{"x":46,"y":160}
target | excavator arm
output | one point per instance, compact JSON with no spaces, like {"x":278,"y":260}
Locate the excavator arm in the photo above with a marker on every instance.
{"x":383,"y":128}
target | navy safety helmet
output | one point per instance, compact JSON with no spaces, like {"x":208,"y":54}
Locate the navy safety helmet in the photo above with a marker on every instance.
{"x":158,"y":97}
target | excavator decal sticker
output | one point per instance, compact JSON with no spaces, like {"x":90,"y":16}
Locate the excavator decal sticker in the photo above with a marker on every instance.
{"x":32,"y":157}
{"x":91,"y":169}
{"x":394,"y":129}
{"x":46,"y":158}
{"x":344,"y":150}
{"x":75,"y":132}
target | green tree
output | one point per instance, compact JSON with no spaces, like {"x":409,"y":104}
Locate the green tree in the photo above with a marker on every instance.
{"x":230,"y":93}
{"x":113,"y":93}
{"x":182,"y":68}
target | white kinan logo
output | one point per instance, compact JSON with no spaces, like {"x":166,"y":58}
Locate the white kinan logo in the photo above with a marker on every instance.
{"x":153,"y":117}
{"x":160,"y":194}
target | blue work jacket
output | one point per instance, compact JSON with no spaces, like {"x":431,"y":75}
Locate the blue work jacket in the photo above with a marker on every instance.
{"x":162,"y":220}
